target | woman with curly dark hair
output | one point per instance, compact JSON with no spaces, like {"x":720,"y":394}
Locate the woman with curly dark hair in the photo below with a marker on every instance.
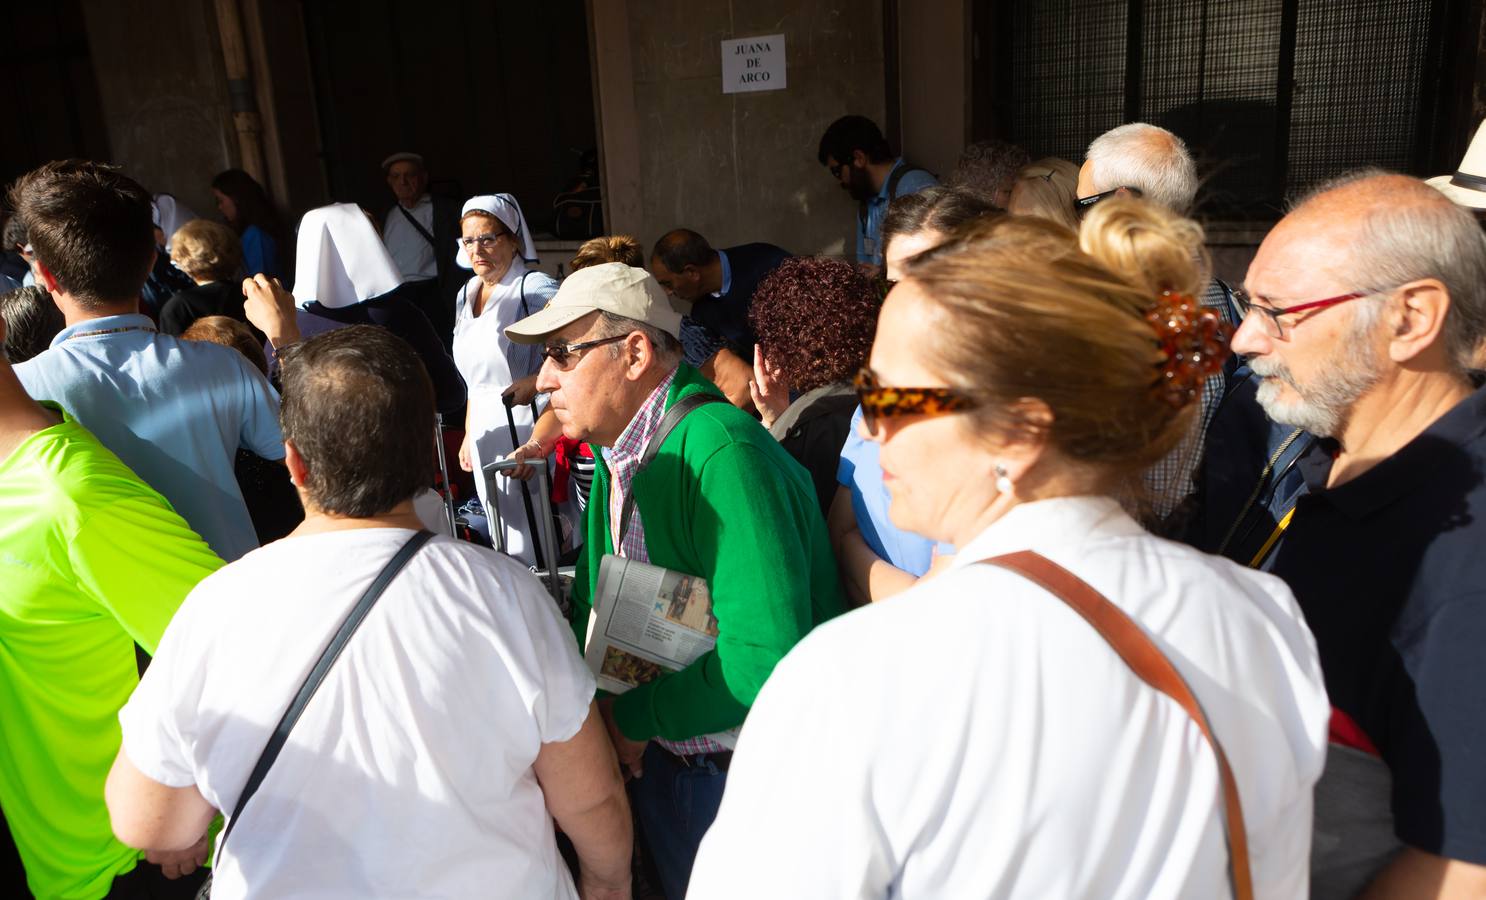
{"x":814,"y":318}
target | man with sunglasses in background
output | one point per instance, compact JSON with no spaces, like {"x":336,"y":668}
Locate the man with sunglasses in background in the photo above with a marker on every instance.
{"x":856,"y":154}
{"x":1146,"y":161}
{"x":1365,"y":309}
{"x":719,"y":499}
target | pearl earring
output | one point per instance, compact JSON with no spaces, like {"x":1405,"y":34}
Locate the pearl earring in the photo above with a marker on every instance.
{"x":1003,"y":481}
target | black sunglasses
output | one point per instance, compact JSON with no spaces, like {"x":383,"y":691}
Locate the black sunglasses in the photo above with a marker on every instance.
{"x":561,"y":353}
{"x":1082,"y":204}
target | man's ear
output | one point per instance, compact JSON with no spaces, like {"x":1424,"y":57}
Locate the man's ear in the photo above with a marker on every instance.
{"x":1418,"y":319}
{"x":49,"y":281}
{"x":298,"y":471}
{"x":639,"y":355}
{"x":859,"y":159}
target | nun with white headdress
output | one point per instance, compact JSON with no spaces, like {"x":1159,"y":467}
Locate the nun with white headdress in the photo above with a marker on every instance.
{"x":165,"y":280}
{"x":496,"y":244}
{"x":343,"y":275}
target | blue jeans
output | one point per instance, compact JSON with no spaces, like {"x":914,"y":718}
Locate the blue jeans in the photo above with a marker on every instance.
{"x":676,"y":803}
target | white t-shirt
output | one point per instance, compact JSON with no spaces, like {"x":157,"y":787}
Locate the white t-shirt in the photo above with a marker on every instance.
{"x":410,"y":772}
{"x":974,"y":737}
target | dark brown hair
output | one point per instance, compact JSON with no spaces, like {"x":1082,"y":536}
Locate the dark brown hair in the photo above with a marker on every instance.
{"x":1027,"y":314}
{"x":358,"y":406}
{"x":228,"y":332}
{"x":937,"y":208}
{"x":988,"y":167}
{"x":253,"y":205}
{"x":31,"y":321}
{"x":91,"y":225}
{"x":814,"y":319}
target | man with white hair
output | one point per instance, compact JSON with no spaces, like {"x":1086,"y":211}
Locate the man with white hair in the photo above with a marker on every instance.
{"x":1365,"y":308}
{"x":1150,"y":162}
{"x":1140,"y":159}
{"x":420,"y":230}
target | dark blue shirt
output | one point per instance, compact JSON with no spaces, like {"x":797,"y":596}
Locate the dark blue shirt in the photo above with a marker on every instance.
{"x":726,"y":314}
{"x":1390,"y":570}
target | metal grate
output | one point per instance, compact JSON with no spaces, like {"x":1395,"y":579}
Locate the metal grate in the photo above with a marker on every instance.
{"x":1271,"y":95}
{"x":1359,"y":71}
{"x":1068,"y":60}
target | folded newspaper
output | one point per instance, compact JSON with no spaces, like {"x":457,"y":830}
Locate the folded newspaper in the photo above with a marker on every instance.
{"x":649,"y":622}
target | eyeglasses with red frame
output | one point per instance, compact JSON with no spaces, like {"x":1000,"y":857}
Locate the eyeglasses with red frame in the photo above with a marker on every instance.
{"x":882,"y":402}
{"x":1270,"y":320}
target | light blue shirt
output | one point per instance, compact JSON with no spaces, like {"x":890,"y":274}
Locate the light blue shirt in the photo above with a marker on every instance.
{"x":174,"y":411}
{"x":861,"y":473}
{"x":727,"y":274}
{"x":869,"y":238}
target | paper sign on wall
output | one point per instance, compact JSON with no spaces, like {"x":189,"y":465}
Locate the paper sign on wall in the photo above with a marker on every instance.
{"x":753,"y":64}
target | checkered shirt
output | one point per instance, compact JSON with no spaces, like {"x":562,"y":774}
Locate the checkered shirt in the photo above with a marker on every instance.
{"x":624,"y":462}
{"x":1170,"y":480}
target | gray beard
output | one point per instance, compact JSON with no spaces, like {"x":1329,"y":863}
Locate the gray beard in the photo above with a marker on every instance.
{"x":1321,"y":408}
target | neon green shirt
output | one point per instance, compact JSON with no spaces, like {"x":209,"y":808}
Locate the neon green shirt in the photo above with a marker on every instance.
{"x":91,"y":560}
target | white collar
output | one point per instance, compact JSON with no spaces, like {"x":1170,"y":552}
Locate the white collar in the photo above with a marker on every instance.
{"x":1059,"y":522}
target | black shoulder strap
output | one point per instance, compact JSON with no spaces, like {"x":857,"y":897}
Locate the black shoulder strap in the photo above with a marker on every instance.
{"x":892,"y":187}
{"x":897,"y":176}
{"x":312,"y":681}
{"x":524,"y":311}
{"x":668,"y":423}
{"x":413,"y":220}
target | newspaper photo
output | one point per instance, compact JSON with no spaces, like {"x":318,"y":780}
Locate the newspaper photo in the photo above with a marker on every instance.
{"x":649,"y":622}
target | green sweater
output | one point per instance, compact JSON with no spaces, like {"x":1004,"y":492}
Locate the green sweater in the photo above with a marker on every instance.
{"x":721,"y":500}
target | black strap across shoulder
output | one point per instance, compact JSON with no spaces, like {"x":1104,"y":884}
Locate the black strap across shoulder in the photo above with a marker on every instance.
{"x":317,"y":674}
{"x":892,"y":186}
{"x":412,"y":220}
{"x":668,"y":422}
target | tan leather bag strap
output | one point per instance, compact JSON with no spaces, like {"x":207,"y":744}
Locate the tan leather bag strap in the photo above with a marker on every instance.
{"x":1142,"y":655}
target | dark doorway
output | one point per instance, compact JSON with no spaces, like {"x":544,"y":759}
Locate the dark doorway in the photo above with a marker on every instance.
{"x":496,"y":96}
{"x":51,"y":106}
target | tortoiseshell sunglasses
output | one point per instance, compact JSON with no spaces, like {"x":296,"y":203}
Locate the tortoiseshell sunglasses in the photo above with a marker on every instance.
{"x":879,"y":402}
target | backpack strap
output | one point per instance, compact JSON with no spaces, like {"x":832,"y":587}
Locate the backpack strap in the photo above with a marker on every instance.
{"x":668,"y":422}
{"x":1152,"y":666}
{"x":892,"y":187}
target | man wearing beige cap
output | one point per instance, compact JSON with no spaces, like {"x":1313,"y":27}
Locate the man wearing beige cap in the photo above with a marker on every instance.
{"x":717,"y":498}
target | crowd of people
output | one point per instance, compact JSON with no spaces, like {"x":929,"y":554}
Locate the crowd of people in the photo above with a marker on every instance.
{"x":1037,"y":561}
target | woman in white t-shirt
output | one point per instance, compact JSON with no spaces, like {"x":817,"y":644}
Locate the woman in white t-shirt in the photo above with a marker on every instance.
{"x":973,"y":736}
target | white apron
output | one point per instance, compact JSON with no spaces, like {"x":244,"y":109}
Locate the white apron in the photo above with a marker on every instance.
{"x":490,"y":362}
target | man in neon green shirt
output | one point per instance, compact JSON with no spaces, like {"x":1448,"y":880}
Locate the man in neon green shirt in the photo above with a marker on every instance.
{"x":92,"y":561}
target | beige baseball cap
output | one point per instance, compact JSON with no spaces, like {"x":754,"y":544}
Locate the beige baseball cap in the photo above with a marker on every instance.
{"x":611,"y":287}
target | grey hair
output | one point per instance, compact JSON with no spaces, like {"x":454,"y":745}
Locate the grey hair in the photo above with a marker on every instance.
{"x":1405,"y":240}
{"x":667,"y":347}
{"x":1147,"y":157}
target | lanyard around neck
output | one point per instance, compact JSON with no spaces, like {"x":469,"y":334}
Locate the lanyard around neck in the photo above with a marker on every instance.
{"x":83,"y":334}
